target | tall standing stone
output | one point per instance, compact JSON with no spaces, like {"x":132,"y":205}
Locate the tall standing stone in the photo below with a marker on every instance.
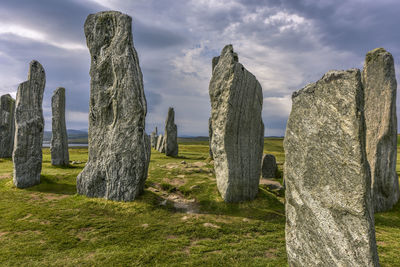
{"x":59,"y":139}
{"x":329,"y":216}
{"x":171,"y":134}
{"x":153,"y":138}
{"x":237,"y":139}
{"x":7,"y":125}
{"x":29,"y":125}
{"x":119,"y":148}
{"x":160,"y":144}
{"x":210,"y":137}
{"x":380,"y":88}
{"x":268,"y":166}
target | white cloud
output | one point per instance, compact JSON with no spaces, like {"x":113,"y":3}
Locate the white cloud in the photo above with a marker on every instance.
{"x":76,"y":116}
{"x":285,"y":21}
{"x":25,"y":32}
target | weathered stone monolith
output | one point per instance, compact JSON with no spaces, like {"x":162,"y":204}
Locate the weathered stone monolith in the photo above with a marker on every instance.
{"x":7,"y":125}
{"x":268,"y":167}
{"x":119,"y":148}
{"x":29,"y":125}
{"x":160,"y":144}
{"x":238,"y":130}
{"x":153,"y":138}
{"x":171,"y":135}
{"x":380,"y":88}
{"x":59,"y":139}
{"x":329,"y":215}
{"x":210,"y":137}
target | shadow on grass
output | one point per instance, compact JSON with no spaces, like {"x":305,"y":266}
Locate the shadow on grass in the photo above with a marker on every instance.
{"x":48,"y":185}
{"x":191,"y":158}
{"x":69,"y":166}
{"x":389,"y":218}
{"x":265,"y":207}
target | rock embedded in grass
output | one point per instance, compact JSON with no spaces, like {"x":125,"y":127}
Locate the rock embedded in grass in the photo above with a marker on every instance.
{"x":329,"y":213}
{"x":268,"y":166}
{"x":7,"y":125}
{"x":380,"y":88}
{"x":59,"y":138}
{"x":238,"y":130}
{"x":119,"y":148}
{"x":29,"y":126}
{"x":171,"y":135}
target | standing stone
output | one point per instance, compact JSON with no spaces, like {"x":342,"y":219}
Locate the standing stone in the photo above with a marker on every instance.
{"x":329,"y":216}
{"x":153,"y":138}
{"x":29,"y":125}
{"x":238,"y":130}
{"x":380,"y":87}
{"x":171,"y":135}
{"x":59,"y":138}
{"x":210,"y":137}
{"x":119,"y":148}
{"x":7,"y":126}
{"x":268,"y":167}
{"x":160,"y":144}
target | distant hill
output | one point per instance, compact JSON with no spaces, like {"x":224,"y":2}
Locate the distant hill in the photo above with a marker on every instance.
{"x":74,"y":136}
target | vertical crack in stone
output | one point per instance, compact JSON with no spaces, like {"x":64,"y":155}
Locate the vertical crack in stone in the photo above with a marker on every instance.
{"x":237,"y":128}
{"x":119,"y":148}
{"x":29,"y":126}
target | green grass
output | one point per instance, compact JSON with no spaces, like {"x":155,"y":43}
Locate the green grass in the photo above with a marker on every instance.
{"x":50,"y":224}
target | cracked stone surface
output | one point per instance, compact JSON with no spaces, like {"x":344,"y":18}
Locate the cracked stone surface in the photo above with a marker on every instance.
{"x":380,"y":88}
{"x":268,"y":167}
{"x":7,"y":125}
{"x":29,"y":126}
{"x":160,"y":144}
{"x":237,"y":128}
{"x":329,"y":213}
{"x":171,"y":135}
{"x":119,"y":148}
{"x":59,"y":139}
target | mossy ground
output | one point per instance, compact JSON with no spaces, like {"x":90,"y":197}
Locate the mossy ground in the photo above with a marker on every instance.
{"x":179,"y":220}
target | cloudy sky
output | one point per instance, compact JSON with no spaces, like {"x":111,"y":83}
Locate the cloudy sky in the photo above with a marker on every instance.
{"x":286,"y":44}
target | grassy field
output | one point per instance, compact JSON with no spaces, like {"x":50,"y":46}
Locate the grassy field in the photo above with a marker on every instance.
{"x":179,"y":220}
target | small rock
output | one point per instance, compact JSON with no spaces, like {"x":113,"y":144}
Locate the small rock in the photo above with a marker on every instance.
{"x":268,"y":166}
{"x":211,"y":225}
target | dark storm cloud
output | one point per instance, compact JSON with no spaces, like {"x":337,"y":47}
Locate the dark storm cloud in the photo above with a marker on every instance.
{"x":285,"y":43}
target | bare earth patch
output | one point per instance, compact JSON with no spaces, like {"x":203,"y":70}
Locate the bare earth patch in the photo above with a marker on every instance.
{"x":54,"y":196}
{"x":175,"y":182}
{"x":179,"y":202}
{"x":3,"y":234}
{"x":271,"y":253}
{"x":211,"y":225}
{"x":6,"y":176}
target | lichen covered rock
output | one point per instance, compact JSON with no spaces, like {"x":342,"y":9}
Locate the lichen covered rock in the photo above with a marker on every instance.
{"x":59,"y":139}
{"x":329,"y":215}
{"x":160,"y":144}
{"x":380,"y":88}
{"x":119,"y":148}
{"x":29,"y":126}
{"x":7,"y":125}
{"x":268,"y":167}
{"x":171,"y":135}
{"x":237,"y":128}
